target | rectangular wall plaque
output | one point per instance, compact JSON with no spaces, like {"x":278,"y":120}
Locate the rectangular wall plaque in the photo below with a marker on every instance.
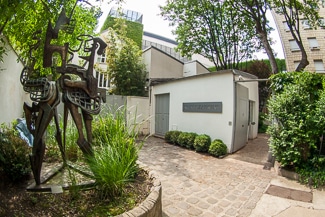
{"x":203,"y":107}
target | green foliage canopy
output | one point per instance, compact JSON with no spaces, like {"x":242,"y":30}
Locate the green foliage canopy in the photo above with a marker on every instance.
{"x":124,"y":63}
{"x":212,"y":29}
{"x":20,"y":19}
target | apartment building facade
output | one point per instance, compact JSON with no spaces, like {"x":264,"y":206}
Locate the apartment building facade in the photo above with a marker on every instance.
{"x":313,"y":41}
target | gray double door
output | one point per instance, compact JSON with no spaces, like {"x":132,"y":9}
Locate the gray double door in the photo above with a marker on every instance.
{"x":162,"y":114}
{"x":242,"y":118}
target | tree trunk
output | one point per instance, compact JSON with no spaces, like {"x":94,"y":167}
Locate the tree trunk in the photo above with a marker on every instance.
{"x":269,"y":52}
{"x":304,"y":60}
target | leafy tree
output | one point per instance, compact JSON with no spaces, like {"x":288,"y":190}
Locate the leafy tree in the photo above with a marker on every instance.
{"x":20,"y":19}
{"x":256,"y":10}
{"x":213,"y":29}
{"x":124,"y":62}
{"x":261,"y":70}
{"x":294,"y":12}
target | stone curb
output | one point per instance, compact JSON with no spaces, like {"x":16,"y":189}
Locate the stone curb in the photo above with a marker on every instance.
{"x":152,"y":205}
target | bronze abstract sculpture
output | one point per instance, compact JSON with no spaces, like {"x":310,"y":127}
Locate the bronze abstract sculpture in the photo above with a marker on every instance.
{"x":82,"y":93}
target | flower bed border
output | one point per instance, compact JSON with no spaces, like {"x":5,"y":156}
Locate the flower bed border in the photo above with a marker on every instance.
{"x":152,"y":205}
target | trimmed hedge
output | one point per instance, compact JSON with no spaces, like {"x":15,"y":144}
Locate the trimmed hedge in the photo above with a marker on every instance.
{"x":186,"y":139}
{"x":218,"y":148}
{"x":202,"y":143}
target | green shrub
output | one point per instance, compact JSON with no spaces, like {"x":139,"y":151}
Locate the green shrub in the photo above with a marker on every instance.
{"x":218,"y":148}
{"x":190,"y":138}
{"x":202,"y":143}
{"x":168,"y":136}
{"x":174,"y":136}
{"x":297,"y":115}
{"x":186,"y":139}
{"x":182,"y":139}
{"x":72,"y":151}
{"x":115,"y":155}
{"x":262,"y":127}
{"x":14,"y":154}
{"x":313,"y":173}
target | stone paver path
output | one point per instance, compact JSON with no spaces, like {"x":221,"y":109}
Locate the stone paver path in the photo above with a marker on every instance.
{"x":195,"y":184}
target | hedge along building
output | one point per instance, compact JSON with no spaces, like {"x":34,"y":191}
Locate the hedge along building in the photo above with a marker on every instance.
{"x":223,"y":105}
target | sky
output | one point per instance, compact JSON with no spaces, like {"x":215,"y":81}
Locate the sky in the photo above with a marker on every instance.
{"x":154,"y":23}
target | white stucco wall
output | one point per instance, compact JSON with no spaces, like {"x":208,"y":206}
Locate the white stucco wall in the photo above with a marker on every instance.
{"x":189,"y":69}
{"x":11,"y":90}
{"x":138,"y":114}
{"x":210,"y":87}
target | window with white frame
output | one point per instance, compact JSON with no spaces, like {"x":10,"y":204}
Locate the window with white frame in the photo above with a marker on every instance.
{"x":296,"y":63}
{"x":313,"y":43}
{"x":305,"y":24}
{"x":319,"y":66}
{"x":286,"y":26}
{"x":293,"y":45}
{"x":101,"y":58}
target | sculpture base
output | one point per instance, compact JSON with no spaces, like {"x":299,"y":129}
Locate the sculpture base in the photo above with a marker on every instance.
{"x":59,"y":177}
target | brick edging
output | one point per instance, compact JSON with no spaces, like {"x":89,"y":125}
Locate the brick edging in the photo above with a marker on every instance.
{"x":152,"y":205}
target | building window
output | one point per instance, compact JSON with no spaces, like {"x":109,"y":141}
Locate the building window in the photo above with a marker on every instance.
{"x":286,"y":27}
{"x":296,"y":63}
{"x":101,"y":58}
{"x":305,"y":24}
{"x":293,"y":45}
{"x":321,"y":23}
{"x":319,"y":66}
{"x":313,"y":44}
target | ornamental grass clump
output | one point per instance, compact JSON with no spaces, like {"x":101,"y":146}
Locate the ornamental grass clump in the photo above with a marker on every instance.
{"x":202,"y":143}
{"x":115,"y":154}
{"x":217,"y":148}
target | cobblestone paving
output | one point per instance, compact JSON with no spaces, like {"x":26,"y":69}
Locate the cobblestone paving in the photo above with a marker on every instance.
{"x":195,"y":184}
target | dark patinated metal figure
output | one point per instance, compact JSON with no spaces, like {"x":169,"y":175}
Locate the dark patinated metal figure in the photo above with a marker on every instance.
{"x":82,"y":93}
{"x":45,"y":97}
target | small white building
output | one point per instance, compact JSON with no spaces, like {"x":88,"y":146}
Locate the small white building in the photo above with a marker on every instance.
{"x":223,"y":105}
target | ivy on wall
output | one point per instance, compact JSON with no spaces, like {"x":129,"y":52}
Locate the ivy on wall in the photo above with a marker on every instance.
{"x":134,"y":30}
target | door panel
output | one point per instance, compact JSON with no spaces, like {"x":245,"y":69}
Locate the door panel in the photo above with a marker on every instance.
{"x":162,"y":114}
{"x":242,"y":117}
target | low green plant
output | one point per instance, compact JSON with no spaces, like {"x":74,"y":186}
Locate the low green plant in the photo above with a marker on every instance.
{"x":262,"y":127}
{"x":218,"y":148}
{"x":14,"y":153}
{"x":186,"y":139}
{"x":182,"y":139}
{"x":72,"y":151}
{"x":168,"y":136}
{"x":202,"y":143}
{"x":313,"y":173}
{"x":115,"y":154}
{"x":172,"y":136}
{"x":190,"y":140}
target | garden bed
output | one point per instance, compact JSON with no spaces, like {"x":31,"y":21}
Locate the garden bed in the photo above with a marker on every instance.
{"x":142,"y":198}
